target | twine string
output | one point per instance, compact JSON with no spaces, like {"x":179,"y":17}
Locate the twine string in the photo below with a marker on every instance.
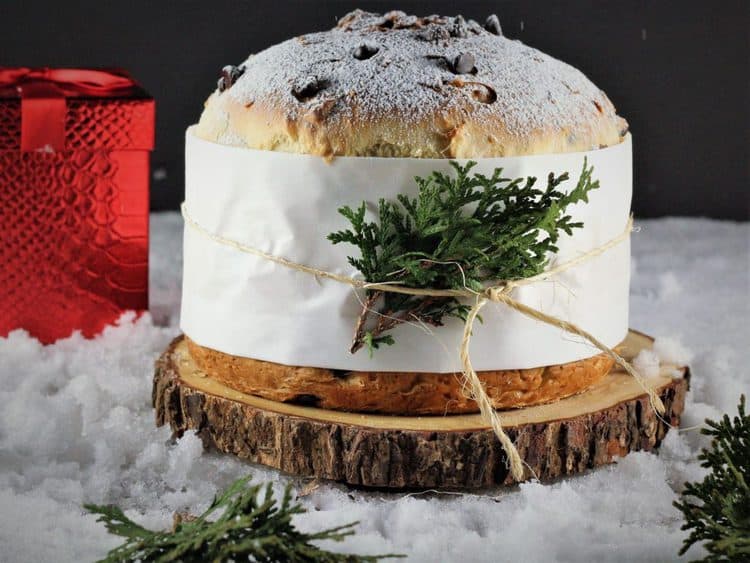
{"x":480,"y":396}
{"x":499,"y":292}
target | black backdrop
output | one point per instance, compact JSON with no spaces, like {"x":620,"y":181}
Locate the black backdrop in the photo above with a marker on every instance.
{"x":678,"y":71}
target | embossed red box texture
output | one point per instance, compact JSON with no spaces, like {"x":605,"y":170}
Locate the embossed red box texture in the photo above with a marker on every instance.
{"x":74,"y":176}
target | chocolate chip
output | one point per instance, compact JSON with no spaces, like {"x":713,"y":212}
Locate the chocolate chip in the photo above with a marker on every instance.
{"x":229,"y":75}
{"x":308,"y":88}
{"x":492,"y":24}
{"x":340,"y":373}
{"x":479,"y":91}
{"x":464,"y":64}
{"x":459,"y":28}
{"x":474,"y":27}
{"x":390,"y":20}
{"x":433,"y":34}
{"x":483,"y":93}
{"x":305,"y":400}
{"x":364,"y":51}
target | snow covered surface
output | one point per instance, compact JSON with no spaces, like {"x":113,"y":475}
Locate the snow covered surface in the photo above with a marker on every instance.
{"x":76,"y":426}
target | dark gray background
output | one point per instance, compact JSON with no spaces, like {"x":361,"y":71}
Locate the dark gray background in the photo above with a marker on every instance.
{"x":678,"y":71}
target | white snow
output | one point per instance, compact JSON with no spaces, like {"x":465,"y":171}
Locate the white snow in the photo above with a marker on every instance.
{"x":669,"y":286}
{"x":665,"y":351}
{"x":672,"y":351}
{"x":76,"y":426}
{"x":647,"y":363}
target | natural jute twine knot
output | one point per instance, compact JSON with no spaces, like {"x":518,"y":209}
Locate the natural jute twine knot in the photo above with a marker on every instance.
{"x":498,"y":293}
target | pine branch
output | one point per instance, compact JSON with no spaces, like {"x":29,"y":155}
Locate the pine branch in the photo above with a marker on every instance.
{"x":461,"y":231}
{"x":250,"y":526}
{"x":717,"y":510}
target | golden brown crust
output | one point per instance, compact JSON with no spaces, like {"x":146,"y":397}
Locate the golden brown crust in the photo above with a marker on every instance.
{"x":316,"y":94}
{"x":396,"y":392}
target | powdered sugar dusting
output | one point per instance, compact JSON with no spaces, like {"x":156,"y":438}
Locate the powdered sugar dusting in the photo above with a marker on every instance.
{"x":372,"y":66}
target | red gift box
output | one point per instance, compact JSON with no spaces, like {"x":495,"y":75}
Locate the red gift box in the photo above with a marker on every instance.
{"x":74,"y":176}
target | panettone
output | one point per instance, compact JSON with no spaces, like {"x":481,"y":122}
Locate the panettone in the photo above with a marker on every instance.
{"x":400,"y":86}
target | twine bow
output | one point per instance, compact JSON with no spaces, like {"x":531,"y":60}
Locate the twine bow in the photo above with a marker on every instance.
{"x":43,"y":93}
{"x":500,"y":292}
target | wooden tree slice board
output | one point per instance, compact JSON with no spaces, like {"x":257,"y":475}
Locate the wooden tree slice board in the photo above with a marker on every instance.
{"x":451,"y":452}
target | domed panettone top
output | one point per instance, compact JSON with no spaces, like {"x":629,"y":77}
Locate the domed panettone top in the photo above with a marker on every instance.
{"x":404,"y":86}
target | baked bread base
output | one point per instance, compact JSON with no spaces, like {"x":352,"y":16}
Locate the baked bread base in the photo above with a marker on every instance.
{"x":405,"y":393}
{"x":423,"y":452}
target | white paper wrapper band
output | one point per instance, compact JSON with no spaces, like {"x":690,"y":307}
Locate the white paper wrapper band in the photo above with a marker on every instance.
{"x":285,"y":204}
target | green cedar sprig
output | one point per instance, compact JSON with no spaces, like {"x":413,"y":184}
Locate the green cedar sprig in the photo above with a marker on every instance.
{"x":717,"y":510}
{"x":248,"y":526}
{"x":462,"y":230}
